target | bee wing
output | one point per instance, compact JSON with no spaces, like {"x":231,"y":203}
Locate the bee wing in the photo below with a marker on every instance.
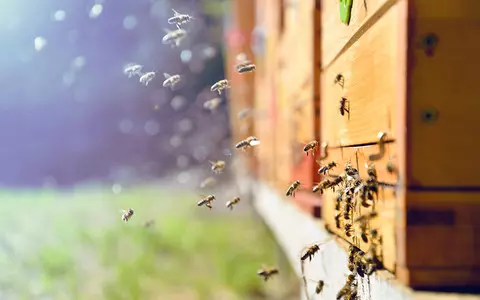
{"x":175,"y":13}
{"x":166,"y":75}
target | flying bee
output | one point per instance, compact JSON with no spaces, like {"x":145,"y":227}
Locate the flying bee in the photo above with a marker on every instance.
{"x":247,"y":143}
{"x":220,"y":85}
{"x":320,"y":284}
{"x":212,"y":104}
{"x":179,"y":19}
{"x":293,"y":188}
{"x":171,"y":80}
{"x":245,"y":66}
{"x":209,"y":181}
{"x":325,"y":184}
{"x":244,"y":113}
{"x":173,"y":37}
{"x":349,"y":230}
{"x":336,"y":181}
{"x":232,"y":202}
{"x":133,"y":70}
{"x":343,"y":106}
{"x":324,"y":169}
{"x":340,"y":80}
{"x":267,"y":272}
{"x":207,"y":201}
{"x":310,"y":147}
{"x":310,"y":252}
{"x":218,"y":166}
{"x":148,"y":223}
{"x":127,"y":215}
{"x":147,"y":77}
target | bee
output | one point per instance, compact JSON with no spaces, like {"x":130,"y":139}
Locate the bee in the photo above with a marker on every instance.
{"x":349,"y":230}
{"x":127,"y":215}
{"x":133,"y":70}
{"x":366,"y":218}
{"x":310,"y":252}
{"x":245,"y":66}
{"x":336,"y":181}
{"x":310,"y":147}
{"x":232,"y":202}
{"x":348,"y":210}
{"x":322,"y":186}
{"x":173,"y":37}
{"x":207,"y":201}
{"x":220,"y":85}
{"x":338,"y":221}
{"x":171,"y":80}
{"x":267,"y":272}
{"x":244,"y":113}
{"x":147,"y":77}
{"x":179,"y":19}
{"x":247,"y":143}
{"x":340,"y":80}
{"x":212,"y":104}
{"x":349,"y":288}
{"x":209,"y":181}
{"x":218,"y":166}
{"x":319,"y":287}
{"x":391,"y":167}
{"x":148,"y":223}
{"x":350,"y":171}
{"x":371,"y":171}
{"x":324,"y":169}
{"x":338,"y":202}
{"x":343,"y":106}
{"x":293,"y":188}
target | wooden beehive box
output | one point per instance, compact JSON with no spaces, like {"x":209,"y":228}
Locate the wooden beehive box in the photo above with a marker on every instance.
{"x":299,"y":87}
{"x":409,"y":69}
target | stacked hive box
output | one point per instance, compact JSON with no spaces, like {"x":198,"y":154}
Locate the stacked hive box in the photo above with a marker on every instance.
{"x":408,"y":72}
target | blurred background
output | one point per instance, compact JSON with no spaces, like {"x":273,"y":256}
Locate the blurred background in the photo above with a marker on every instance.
{"x":82,"y":141}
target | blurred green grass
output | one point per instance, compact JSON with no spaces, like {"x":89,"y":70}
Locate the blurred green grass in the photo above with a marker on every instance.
{"x":73,"y":245}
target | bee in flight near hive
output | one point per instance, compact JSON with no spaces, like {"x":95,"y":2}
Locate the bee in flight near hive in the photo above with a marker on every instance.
{"x":247,"y":143}
{"x":179,"y":19}
{"x":232,"y":202}
{"x":173,"y":37}
{"x":148,"y":223}
{"x":127,"y":215}
{"x":212,"y":104}
{"x":325,"y":184}
{"x":133,"y":70}
{"x":267,"y":272}
{"x":324,"y":169}
{"x":209,"y":181}
{"x":218,"y":166}
{"x":147,"y":77}
{"x":207,"y":201}
{"x":170,"y":80}
{"x":310,"y":147}
{"x":310,"y":251}
{"x":244,"y":113}
{"x":340,"y":80}
{"x":220,"y":85}
{"x":244,"y":65}
{"x":343,"y":106}
{"x":293,"y":188}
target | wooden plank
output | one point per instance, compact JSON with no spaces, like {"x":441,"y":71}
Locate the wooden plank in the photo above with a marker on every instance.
{"x":385,"y":206}
{"x":337,"y":36}
{"x":443,"y":147}
{"x":370,"y":73}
